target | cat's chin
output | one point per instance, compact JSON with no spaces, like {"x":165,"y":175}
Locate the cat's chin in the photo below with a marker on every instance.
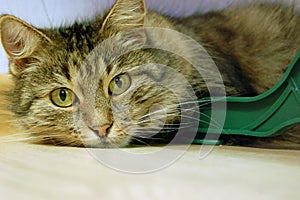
{"x":105,"y":143}
{"x":93,"y":141}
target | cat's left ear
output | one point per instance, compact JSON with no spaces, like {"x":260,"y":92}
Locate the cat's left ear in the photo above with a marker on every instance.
{"x":125,"y":15}
{"x":19,"y":40}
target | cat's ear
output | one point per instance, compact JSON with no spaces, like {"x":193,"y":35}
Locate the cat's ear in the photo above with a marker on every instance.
{"x":19,"y":40}
{"x":125,"y":15}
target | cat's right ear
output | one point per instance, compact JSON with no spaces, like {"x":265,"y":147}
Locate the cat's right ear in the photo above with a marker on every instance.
{"x":125,"y":15}
{"x":19,"y":40}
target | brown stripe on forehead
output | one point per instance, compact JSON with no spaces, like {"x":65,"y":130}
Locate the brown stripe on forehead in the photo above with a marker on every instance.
{"x":108,"y":69}
{"x":116,"y":66}
{"x":66,"y":72}
{"x":78,"y":36}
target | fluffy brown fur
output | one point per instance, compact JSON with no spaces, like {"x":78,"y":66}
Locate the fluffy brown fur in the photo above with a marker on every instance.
{"x":251,"y":45}
{"x":6,"y":127}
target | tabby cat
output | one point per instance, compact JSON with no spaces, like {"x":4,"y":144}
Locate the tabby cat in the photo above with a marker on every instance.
{"x":69,"y":91}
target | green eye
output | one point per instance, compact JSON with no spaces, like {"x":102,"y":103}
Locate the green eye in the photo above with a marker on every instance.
{"x":62,"y":97}
{"x":119,"y":84}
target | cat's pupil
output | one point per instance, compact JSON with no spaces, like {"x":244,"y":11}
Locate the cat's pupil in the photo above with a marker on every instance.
{"x":63,"y":95}
{"x":119,"y":82}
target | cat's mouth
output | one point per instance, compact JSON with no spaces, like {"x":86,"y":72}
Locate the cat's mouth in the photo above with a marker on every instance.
{"x":106,"y":136}
{"x":92,"y":139}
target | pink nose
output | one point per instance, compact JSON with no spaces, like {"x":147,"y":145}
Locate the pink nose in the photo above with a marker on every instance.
{"x":102,"y":130}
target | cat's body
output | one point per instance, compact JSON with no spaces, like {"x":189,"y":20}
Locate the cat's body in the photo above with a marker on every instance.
{"x":251,"y":46}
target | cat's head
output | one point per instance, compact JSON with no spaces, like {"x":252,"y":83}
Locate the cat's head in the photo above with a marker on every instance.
{"x":92,"y":83}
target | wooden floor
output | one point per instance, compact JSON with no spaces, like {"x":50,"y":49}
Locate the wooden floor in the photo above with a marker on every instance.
{"x":46,"y":172}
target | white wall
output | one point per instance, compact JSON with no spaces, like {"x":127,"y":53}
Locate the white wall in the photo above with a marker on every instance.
{"x":42,"y":13}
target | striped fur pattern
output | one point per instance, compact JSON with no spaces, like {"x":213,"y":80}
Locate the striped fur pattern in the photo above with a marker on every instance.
{"x":251,"y":45}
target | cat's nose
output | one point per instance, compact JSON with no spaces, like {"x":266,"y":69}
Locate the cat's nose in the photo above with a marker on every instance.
{"x":102,"y":130}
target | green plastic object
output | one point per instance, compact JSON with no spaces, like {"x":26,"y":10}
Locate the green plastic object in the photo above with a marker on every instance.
{"x":269,"y":114}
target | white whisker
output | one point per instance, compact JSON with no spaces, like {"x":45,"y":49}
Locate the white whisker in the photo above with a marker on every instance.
{"x":212,"y":121}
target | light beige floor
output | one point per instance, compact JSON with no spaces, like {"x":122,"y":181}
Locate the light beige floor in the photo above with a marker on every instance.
{"x":45,"y":172}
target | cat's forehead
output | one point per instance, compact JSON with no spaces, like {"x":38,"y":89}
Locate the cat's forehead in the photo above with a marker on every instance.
{"x":77,"y":37}
{"x":81,"y":66}
{"x":78,"y":54}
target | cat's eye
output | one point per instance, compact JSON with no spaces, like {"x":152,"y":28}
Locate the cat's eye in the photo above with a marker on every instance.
{"x":62,"y":97}
{"x":120,"y":84}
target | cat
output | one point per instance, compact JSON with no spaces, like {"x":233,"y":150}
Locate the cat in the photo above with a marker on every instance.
{"x":69,"y":91}
{"x":6,"y":128}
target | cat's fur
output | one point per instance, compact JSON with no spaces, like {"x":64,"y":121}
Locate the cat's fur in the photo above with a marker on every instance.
{"x":251,"y":45}
{"x":5,"y":115}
